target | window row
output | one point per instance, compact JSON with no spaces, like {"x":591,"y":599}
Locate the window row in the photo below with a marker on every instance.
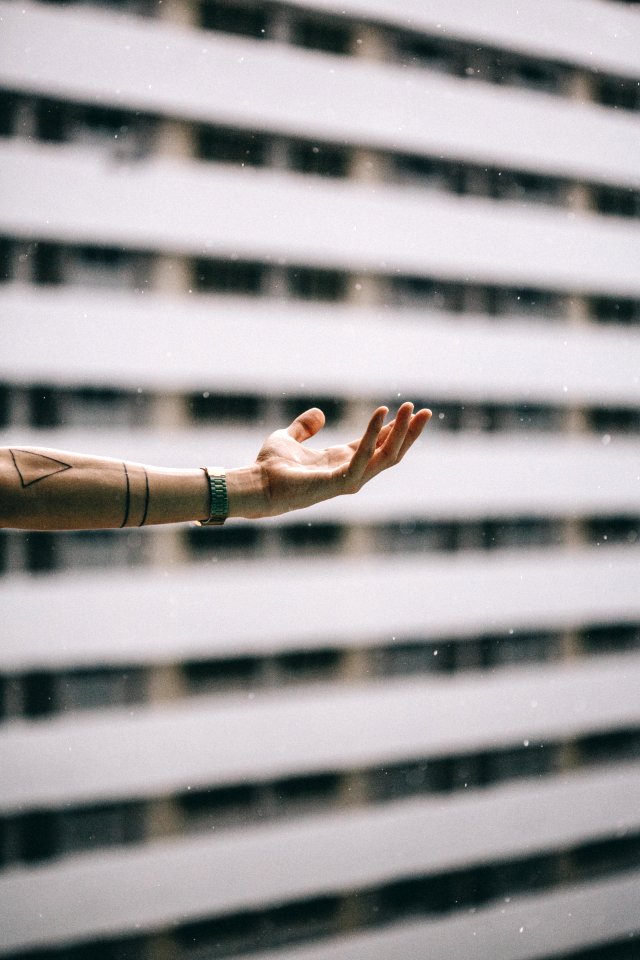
{"x":133,"y":136}
{"x":45,"y":263}
{"x":409,"y":899}
{"x":45,"y":552}
{"x":41,"y":693}
{"x":340,"y":35}
{"x":45,"y":406}
{"x":44,"y":835}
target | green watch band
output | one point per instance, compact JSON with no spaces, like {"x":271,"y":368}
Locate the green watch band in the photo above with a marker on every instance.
{"x":219,"y":500}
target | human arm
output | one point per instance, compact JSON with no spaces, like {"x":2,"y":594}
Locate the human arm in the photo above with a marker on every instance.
{"x":44,"y":489}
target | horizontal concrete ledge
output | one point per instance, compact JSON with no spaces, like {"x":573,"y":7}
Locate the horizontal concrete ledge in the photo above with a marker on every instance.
{"x":99,"y":57}
{"x":127,"y":890}
{"x":201,"y":610}
{"x":235,"y":344}
{"x":292,"y":219}
{"x":215,"y":741}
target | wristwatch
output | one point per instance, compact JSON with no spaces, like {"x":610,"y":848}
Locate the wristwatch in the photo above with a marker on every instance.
{"x":219,"y":501}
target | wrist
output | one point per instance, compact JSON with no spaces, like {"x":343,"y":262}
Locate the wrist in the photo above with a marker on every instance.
{"x":247,"y":492}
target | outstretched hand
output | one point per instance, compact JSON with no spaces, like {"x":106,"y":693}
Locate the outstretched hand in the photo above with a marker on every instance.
{"x":295,"y":475}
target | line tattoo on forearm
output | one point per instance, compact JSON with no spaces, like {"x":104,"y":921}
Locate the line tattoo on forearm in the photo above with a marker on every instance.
{"x":136,"y":495}
{"x":127,"y":501}
{"x":146,"y":498}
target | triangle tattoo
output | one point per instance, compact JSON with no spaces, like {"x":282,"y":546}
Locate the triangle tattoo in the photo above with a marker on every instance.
{"x":33,"y":467}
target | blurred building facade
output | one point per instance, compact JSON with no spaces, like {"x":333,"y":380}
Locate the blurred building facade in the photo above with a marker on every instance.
{"x":400,"y":725}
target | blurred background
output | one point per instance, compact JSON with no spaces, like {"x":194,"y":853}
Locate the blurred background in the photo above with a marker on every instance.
{"x":396,"y":726}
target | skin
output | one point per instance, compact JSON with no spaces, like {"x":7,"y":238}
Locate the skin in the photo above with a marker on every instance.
{"x":43,"y":489}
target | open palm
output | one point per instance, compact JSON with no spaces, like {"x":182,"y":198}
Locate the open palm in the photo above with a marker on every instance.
{"x":298,"y":476}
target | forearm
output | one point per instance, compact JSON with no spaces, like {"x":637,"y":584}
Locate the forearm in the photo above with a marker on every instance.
{"x":43,"y":489}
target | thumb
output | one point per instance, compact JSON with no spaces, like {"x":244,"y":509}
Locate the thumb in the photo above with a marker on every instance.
{"x":306,"y":425}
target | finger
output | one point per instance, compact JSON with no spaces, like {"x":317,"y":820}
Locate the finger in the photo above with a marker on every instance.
{"x":388,"y":452}
{"x":306,"y":425}
{"x":384,"y":433}
{"x":418,"y":422}
{"x":367,"y":445}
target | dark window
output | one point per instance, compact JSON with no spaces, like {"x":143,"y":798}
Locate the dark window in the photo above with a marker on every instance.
{"x":39,"y":693}
{"x":619,"y":746}
{"x":41,"y":554}
{"x":599,"y":859}
{"x":9,"y":841}
{"x":38,"y":836}
{"x":301,"y":921}
{"x":320,"y":158}
{"x":608,"y":310}
{"x":211,"y":674}
{"x":534,"y":760}
{"x":431,"y":53}
{"x":44,"y":406}
{"x":618,"y":92}
{"x":309,"y":665}
{"x":611,"y":638}
{"x":312,"y":536}
{"x":8,"y":113}
{"x":317,"y":34}
{"x":94,"y":827}
{"x":47,"y":260}
{"x":52,"y":120}
{"x":422,"y":895}
{"x":6,"y":260}
{"x":425,"y":171}
{"x":242,"y":19}
{"x":309,"y":283}
{"x":429,"y":294}
{"x":613,"y":530}
{"x":603,"y":420}
{"x":509,"y":879}
{"x":204,"y":809}
{"x":48,"y":834}
{"x":5,"y":404}
{"x":225,"y":406}
{"x":228,"y":276}
{"x":232,"y":146}
{"x":300,"y":791}
{"x":617,"y":202}
{"x":202,"y":540}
